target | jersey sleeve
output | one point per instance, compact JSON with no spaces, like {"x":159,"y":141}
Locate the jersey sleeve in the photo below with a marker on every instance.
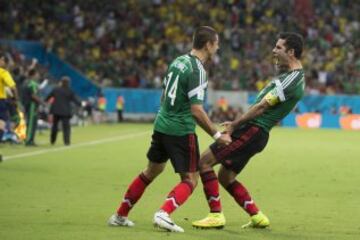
{"x":276,"y":95}
{"x":196,"y":86}
{"x":284,"y":90}
{"x":289,"y":83}
{"x":9,"y":81}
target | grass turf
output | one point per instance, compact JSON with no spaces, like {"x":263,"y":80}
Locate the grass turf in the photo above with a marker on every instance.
{"x":306,"y":181}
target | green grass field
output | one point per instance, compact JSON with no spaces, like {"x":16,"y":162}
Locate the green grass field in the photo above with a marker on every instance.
{"x":306,"y":181}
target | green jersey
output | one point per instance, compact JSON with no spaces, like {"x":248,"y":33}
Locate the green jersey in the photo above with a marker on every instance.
{"x":282,"y":93}
{"x":31,"y":88}
{"x":185,"y":84}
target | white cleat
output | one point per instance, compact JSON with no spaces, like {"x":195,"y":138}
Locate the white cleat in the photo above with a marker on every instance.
{"x":162,"y":220}
{"x":116,"y":220}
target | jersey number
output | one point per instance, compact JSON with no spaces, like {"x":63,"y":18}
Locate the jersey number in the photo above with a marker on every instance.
{"x":172,"y":91}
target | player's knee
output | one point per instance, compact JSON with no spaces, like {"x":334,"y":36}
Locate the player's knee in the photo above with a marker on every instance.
{"x":191,"y":179}
{"x":224,"y":180}
{"x":207,"y":161}
{"x":153,"y":170}
{"x":194,"y":182}
{"x":203,"y":165}
{"x":151,"y":175}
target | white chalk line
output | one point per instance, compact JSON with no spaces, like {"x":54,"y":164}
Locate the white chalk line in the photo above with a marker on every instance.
{"x":78,"y":145}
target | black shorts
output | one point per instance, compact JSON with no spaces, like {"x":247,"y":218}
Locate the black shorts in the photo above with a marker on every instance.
{"x":183,"y":151}
{"x":246,"y":142}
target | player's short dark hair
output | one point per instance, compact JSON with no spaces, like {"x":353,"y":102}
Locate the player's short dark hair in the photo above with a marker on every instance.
{"x":203,"y":35}
{"x":293,"y":41}
{"x":65,"y":81}
{"x":32,"y":72}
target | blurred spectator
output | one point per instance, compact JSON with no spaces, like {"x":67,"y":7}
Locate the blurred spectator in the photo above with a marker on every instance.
{"x":120,"y":108}
{"x":344,"y":110}
{"x":100,"y":115}
{"x":219,"y":115}
{"x":88,"y":110}
{"x":223,"y":104}
{"x":101,"y":103}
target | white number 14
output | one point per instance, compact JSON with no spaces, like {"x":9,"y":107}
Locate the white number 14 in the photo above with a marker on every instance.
{"x":172,"y":92}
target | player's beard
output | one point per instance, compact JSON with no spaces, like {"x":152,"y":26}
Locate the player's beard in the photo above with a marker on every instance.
{"x":208,"y":61}
{"x":281,"y":66}
{"x":209,"y":57}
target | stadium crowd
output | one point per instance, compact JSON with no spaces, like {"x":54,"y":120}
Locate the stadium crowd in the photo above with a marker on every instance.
{"x":129,"y":43}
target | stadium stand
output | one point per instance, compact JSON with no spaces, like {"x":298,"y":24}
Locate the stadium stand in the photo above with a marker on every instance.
{"x":128,"y":44}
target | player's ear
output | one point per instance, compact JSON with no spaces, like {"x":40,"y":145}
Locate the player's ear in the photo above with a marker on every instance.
{"x":291,"y":52}
{"x":208,"y":45}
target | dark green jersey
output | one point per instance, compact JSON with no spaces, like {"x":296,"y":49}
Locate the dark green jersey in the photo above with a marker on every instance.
{"x":31,"y":88}
{"x":185,"y":84}
{"x":282,"y":93}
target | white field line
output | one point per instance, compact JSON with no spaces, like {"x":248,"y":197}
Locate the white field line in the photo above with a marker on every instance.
{"x":64,"y":148}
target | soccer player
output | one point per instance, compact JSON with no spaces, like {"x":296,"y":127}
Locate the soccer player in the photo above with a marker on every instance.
{"x":6,"y":81}
{"x":174,"y":135}
{"x":31,"y":102}
{"x":250,"y":134}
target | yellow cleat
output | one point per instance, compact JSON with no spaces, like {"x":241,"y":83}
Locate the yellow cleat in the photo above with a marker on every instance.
{"x":258,"y":221}
{"x":213,"y":220}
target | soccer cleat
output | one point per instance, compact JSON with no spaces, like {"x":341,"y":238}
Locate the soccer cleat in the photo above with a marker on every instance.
{"x":213,"y":220}
{"x":116,"y":220}
{"x":258,"y":221}
{"x":163,"y":220}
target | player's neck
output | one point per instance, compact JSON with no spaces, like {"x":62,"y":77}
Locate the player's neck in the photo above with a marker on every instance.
{"x":295,"y":64}
{"x":201,"y":55}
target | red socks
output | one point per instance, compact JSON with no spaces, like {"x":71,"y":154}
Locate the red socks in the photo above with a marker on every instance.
{"x":242,"y":197}
{"x":211,"y":190}
{"x":177,"y":196}
{"x":183,"y":190}
{"x":133,"y":194}
{"x":236,"y":189}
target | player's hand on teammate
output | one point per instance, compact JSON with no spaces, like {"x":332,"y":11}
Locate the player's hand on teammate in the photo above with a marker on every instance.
{"x":229,"y":128}
{"x":224,"y":140}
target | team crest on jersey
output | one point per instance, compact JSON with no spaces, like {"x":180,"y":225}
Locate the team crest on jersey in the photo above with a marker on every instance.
{"x":181,"y":66}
